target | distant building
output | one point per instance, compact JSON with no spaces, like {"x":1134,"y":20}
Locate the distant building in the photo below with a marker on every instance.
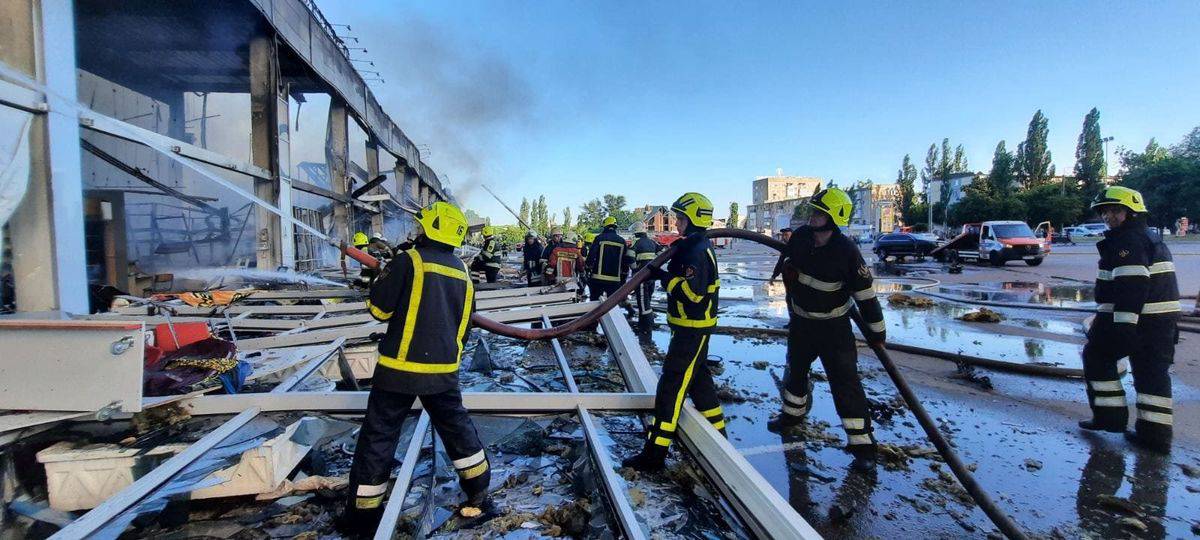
{"x":779,"y":188}
{"x":874,"y":208}
{"x":658,"y":218}
{"x":775,"y":198}
{"x":958,"y":186}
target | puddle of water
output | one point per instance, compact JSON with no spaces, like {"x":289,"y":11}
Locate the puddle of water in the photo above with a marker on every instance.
{"x":811,"y":472}
{"x":1023,"y":292}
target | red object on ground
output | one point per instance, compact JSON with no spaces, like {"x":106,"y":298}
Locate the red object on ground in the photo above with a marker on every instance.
{"x":185,"y":334}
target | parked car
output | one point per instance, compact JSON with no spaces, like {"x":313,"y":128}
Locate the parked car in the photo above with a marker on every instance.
{"x":901,"y":245}
{"x":1076,"y":232}
{"x":1093,"y":229}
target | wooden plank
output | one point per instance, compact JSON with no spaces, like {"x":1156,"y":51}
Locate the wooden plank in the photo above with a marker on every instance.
{"x":489,"y":304}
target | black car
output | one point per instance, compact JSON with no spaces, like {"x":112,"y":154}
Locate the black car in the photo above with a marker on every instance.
{"x":901,"y":245}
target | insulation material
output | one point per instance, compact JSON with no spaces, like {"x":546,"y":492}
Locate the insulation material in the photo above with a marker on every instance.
{"x":14,"y":161}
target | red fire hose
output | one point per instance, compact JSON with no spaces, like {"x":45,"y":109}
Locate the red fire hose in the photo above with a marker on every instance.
{"x":590,"y":318}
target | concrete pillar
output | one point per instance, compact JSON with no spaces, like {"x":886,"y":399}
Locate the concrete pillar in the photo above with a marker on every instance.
{"x":264,"y":147}
{"x":372,"y":172}
{"x":337,"y":155}
{"x":49,"y":269}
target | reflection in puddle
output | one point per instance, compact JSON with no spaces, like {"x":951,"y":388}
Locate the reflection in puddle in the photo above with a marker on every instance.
{"x":1024,"y":292}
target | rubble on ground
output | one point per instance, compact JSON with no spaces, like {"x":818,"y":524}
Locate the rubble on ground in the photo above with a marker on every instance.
{"x":983,"y":315}
{"x":901,"y":299}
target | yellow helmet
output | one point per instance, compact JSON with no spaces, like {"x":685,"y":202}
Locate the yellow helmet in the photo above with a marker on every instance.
{"x":609,"y":221}
{"x":834,"y":202}
{"x":1120,"y":195}
{"x":488,"y":230}
{"x":360,"y":239}
{"x":444,"y":223}
{"x":589,"y":237}
{"x":697,"y":208}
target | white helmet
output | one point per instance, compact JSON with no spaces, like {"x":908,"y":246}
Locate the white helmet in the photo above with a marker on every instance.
{"x":639,"y":227}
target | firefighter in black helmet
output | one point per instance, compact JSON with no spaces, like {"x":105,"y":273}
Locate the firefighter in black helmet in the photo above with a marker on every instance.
{"x":532,"y":255}
{"x":1138,"y":307}
{"x":692,"y":293}
{"x":426,"y":296}
{"x":825,"y":277}
{"x":606,"y":262}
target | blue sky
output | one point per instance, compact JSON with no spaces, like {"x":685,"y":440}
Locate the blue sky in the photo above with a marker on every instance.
{"x":651,"y":99}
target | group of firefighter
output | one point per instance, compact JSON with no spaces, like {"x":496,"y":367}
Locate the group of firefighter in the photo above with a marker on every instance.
{"x":425,"y":294}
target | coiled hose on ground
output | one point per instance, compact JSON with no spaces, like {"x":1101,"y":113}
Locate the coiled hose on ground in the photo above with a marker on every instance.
{"x":985,"y":502}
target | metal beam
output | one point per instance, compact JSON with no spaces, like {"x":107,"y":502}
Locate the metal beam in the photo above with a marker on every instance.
{"x":124,"y":130}
{"x":754,"y":499}
{"x":308,"y":369}
{"x":613,"y":486}
{"x":100,"y":516}
{"x":395,"y":503}
{"x":562,"y":359}
{"x":482,"y":402}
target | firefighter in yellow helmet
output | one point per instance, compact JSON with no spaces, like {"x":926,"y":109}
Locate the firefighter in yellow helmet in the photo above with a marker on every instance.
{"x":606,"y":264}
{"x":1137,"y":300}
{"x":825,"y":276}
{"x":488,"y":259}
{"x":375,"y":247}
{"x":426,"y":297}
{"x":690,"y":280}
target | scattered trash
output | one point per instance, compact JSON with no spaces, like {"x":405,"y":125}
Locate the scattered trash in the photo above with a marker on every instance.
{"x":968,"y":373}
{"x":761,"y":364}
{"x":637,"y":497}
{"x":947,"y":486}
{"x":1189,"y":470}
{"x":1113,"y":502}
{"x":155,"y":418}
{"x":470,"y":512}
{"x":308,"y":483}
{"x":1032,"y":464}
{"x":901,"y":299}
{"x":1134,"y":523}
{"x":983,"y":315}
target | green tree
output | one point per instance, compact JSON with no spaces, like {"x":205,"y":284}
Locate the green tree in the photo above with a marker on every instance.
{"x":1001,"y":178}
{"x":614,"y":204}
{"x":524,"y":213}
{"x":930,"y":172}
{"x":541,"y":217}
{"x":1034,"y":155}
{"x":590,"y":214}
{"x":1047,"y":203}
{"x":1089,"y":156}
{"x":567,"y":218}
{"x":1169,"y":180}
{"x":906,"y":196}
{"x":960,"y":159}
{"x":734,"y":218}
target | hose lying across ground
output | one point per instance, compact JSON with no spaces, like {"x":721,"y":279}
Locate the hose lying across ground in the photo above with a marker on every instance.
{"x":989,"y":507}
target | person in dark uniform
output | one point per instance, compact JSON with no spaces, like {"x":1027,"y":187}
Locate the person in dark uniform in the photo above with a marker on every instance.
{"x":489,"y":259}
{"x":693,"y":290}
{"x":426,"y":297}
{"x":825,"y":276}
{"x":606,"y":261}
{"x":562,"y":259}
{"x":638,"y":255}
{"x":544,"y":260}
{"x":1138,"y":309}
{"x":532,"y":256}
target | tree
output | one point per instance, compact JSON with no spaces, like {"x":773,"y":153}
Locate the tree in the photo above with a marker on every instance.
{"x":1034,"y":154}
{"x":1089,"y":156}
{"x":1047,"y":203}
{"x":590,"y":214}
{"x":1169,"y":180}
{"x":524,"y":212}
{"x":960,"y":159}
{"x":613,"y":204}
{"x":567,"y":217}
{"x":906,"y":196}
{"x":541,"y":217}
{"x":734,"y":218}
{"x":1000,"y":179}
{"x":930,"y":172}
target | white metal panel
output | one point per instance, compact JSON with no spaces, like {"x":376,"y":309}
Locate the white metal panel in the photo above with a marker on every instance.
{"x":54,"y":365}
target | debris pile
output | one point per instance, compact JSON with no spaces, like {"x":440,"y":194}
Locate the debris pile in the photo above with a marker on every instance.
{"x":983,"y":315}
{"x":901,"y":299}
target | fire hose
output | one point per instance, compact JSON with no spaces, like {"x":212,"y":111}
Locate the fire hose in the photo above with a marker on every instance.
{"x":964,"y":476}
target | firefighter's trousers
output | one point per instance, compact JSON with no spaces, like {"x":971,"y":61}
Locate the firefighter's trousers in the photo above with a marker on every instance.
{"x":685,"y":373}
{"x":490,"y":273}
{"x":378,"y":439}
{"x":1150,"y":357}
{"x":597,"y":287}
{"x":833,"y":342}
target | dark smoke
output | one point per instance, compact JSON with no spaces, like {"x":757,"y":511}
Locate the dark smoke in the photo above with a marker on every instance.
{"x":450,"y":94}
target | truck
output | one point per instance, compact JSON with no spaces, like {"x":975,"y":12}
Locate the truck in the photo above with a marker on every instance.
{"x":996,"y":242}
